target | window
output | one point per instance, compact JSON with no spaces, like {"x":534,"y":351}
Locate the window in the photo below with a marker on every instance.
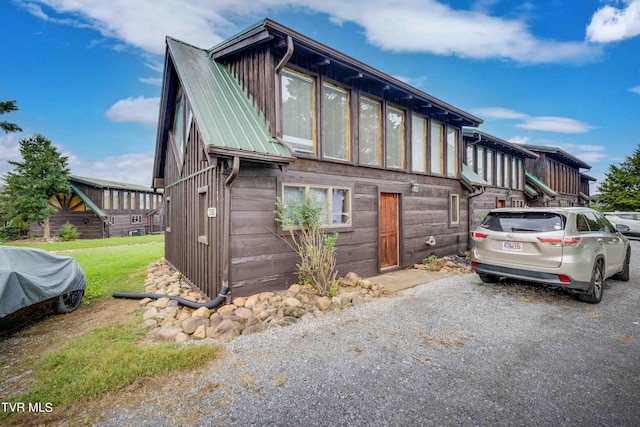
{"x":336,"y":202}
{"x":203,"y":205}
{"x":499,"y":170}
{"x":125,"y":200}
{"x":178,"y":128}
{"x":490,"y":166}
{"x":452,"y":152}
{"x":106,"y":203}
{"x":517,"y":203}
{"x":514,"y":173}
{"x":436,"y":147}
{"x":133,"y":200}
{"x":480,"y":161}
{"x":336,"y":140}
{"x":136,"y":219}
{"x":116,"y":200}
{"x":454,"y":209}
{"x":395,"y":138}
{"x":418,"y":144}
{"x":298,"y":114}
{"x":470,"y":159}
{"x":520,"y":175}
{"x":505,"y":171}
{"x":370,"y":136}
{"x":112,"y":220}
{"x":168,"y":214}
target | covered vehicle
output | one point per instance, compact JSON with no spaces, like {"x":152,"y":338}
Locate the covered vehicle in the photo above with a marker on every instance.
{"x":32,"y":276}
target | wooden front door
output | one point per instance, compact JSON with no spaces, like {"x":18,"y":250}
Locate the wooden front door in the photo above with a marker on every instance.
{"x":389,"y":230}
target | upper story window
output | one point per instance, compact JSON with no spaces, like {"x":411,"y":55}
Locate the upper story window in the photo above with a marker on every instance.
{"x":298,"y":111}
{"x":418,"y":144}
{"x":336,"y":139}
{"x":480,"y":162}
{"x":452,"y":152}
{"x":395,"y":138}
{"x":106,"y":202}
{"x":178,"y":126}
{"x":490,"y":166}
{"x":499,"y":170}
{"x":437,"y":142}
{"x":370,"y":132}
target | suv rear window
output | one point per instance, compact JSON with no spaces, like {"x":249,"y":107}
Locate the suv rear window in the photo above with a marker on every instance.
{"x":514,"y":222}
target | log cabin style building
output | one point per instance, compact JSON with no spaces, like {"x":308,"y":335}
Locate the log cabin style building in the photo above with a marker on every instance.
{"x":270,"y":113}
{"x":494,"y":172}
{"x":556,"y":179}
{"x":100,"y":208}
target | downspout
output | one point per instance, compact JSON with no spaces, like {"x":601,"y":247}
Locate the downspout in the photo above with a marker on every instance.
{"x":469,"y":211}
{"x":226,"y":254}
{"x":278,"y":98}
{"x":226,"y":227}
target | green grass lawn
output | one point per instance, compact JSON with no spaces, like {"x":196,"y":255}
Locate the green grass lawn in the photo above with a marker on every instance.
{"x":109,"y":357}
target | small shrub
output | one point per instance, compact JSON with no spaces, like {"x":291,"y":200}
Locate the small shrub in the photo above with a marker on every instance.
{"x":316,"y":249}
{"x":12,"y":233}
{"x":68,"y":232}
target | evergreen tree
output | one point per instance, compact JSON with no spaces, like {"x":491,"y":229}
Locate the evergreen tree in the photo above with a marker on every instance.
{"x":6,"y":107}
{"x":42,"y":173}
{"x":620,"y":190}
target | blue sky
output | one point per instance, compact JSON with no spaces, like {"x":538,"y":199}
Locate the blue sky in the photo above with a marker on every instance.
{"x":87,"y":73}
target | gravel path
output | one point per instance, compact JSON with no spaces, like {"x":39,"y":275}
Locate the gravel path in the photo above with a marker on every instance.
{"x":451,"y":352}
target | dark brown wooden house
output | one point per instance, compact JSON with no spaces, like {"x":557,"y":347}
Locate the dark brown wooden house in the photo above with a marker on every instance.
{"x":556,"y":178}
{"x":100,"y":208}
{"x":494,"y":172}
{"x":271,"y":113}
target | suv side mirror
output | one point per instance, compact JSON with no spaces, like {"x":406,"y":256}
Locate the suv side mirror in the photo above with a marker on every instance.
{"x":622,"y":228}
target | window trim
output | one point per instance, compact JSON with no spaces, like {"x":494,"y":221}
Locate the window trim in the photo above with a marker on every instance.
{"x":454,"y":208}
{"x":314,"y":110}
{"x":203,"y":218}
{"x":307,"y":186}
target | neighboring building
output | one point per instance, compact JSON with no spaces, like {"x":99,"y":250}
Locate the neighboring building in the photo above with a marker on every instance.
{"x":271,"y":113}
{"x":99,"y":208}
{"x":495,"y":174}
{"x":556,"y":178}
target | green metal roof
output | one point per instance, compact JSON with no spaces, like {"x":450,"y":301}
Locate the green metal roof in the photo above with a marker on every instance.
{"x":103,"y":183}
{"x":539,"y":184}
{"x":223,"y":111}
{"x":88,"y":201}
{"x":585,"y":197}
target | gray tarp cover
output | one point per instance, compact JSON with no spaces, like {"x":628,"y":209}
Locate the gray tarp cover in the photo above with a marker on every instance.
{"x":29,"y":276}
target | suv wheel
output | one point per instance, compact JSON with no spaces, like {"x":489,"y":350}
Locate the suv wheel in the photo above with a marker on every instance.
{"x":488,"y":278}
{"x":595,"y":292}
{"x":624,"y":274}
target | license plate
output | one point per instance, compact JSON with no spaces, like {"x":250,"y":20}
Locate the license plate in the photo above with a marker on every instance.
{"x":512,"y":246}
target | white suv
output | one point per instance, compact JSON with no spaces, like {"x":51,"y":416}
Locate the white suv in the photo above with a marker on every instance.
{"x":575,"y":248}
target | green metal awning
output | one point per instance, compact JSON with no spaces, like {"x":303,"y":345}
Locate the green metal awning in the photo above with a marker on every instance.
{"x":87,"y":201}
{"x":530,"y":191}
{"x":585,"y":197}
{"x":472,"y":179}
{"x":539,"y":184}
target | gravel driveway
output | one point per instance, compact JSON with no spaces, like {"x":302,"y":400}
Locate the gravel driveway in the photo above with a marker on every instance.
{"x":451,"y":352}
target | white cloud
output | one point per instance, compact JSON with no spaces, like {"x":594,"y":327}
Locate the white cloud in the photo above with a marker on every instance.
{"x":140,"y":109}
{"x":610,"y":24}
{"x":635,"y":89}
{"x":152,"y":81}
{"x":541,"y":123}
{"x":555,"y":124}
{"x":499,"y":113}
{"x":587,"y":153}
{"x":519,"y":139}
{"x":425,"y":26}
{"x":132,"y":168}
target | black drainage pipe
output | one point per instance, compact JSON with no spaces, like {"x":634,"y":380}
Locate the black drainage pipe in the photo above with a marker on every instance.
{"x":222,"y":296}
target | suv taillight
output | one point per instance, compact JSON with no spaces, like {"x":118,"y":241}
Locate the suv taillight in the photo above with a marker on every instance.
{"x":478,"y":236}
{"x":560,"y":241}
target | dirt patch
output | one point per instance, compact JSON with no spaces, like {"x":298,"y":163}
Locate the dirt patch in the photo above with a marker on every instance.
{"x":45,"y":334}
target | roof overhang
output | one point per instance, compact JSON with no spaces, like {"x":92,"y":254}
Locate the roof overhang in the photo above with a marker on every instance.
{"x":478,"y":137}
{"x":539,"y":184}
{"x":87,"y":201}
{"x":322,"y":55}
